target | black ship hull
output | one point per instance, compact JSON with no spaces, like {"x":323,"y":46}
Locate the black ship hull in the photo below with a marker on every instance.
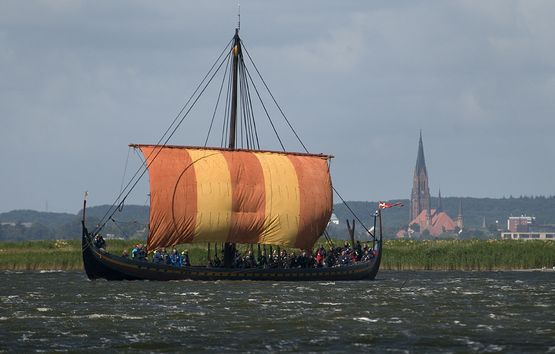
{"x":102,"y":265}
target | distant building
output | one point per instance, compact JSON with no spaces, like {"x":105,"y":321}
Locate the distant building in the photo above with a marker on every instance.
{"x":333,"y":219}
{"x":113,"y":237}
{"x":420,"y":195}
{"x":520,"y":223}
{"x":460,"y":217}
{"x":436,"y":221}
{"x":525,"y":228}
{"x":527,"y":235}
{"x":11,"y":223}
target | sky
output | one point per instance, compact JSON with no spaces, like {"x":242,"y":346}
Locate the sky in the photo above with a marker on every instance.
{"x":80,"y":80}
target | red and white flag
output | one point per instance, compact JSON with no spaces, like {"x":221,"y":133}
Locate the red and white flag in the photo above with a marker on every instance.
{"x":385,"y":205}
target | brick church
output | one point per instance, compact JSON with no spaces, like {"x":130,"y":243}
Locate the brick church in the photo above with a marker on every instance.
{"x":422,"y":215}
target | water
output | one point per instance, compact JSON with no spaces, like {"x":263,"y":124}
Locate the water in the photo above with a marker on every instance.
{"x":400,"y":312}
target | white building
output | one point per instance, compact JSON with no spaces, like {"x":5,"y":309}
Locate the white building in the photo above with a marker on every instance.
{"x":528,"y":236}
{"x":333,"y":219}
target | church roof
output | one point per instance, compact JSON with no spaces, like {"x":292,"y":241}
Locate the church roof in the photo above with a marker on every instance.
{"x":440,"y":222}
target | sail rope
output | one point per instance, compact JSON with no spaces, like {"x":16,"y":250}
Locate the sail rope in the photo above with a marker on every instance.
{"x":118,"y":223}
{"x":140,"y":156}
{"x":265,"y":109}
{"x":125,"y":169}
{"x":275,"y":101}
{"x":217,"y":101}
{"x":247,"y":113}
{"x":249,"y":101}
{"x":294,"y":131}
{"x":328,"y":239}
{"x":248,"y":126}
{"x":227,"y":114}
{"x":120,"y":229}
{"x":247,"y":129}
{"x":352,"y":212}
{"x":165,"y":138}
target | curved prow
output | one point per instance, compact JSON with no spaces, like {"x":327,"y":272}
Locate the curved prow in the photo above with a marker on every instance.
{"x":378,"y":242}
{"x":86,"y":244}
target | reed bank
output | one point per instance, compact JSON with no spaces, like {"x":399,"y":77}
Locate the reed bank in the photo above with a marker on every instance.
{"x":471,"y":255}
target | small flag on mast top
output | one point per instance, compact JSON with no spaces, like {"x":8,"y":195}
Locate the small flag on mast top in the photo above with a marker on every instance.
{"x":385,"y":205}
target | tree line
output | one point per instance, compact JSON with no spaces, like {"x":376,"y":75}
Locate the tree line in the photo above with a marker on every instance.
{"x":131,"y":222}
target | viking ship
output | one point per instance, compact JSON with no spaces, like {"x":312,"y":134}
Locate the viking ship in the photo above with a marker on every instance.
{"x":233,"y":194}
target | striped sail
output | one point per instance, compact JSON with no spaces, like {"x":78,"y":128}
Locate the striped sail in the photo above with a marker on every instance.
{"x":240,"y":196}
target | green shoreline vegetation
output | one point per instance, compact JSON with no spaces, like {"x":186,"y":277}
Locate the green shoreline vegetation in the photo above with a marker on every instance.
{"x":398,"y":254}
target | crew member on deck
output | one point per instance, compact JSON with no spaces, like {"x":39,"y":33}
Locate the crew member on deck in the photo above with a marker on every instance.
{"x":176,"y":259}
{"x":186,"y":261}
{"x":157,"y":257}
{"x":217,"y":262}
{"x":99,"y":242}
{"x":263,"y":259}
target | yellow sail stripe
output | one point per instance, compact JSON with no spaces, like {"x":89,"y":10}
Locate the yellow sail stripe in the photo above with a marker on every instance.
{"x":281,"y":222}
{"x":214,"y":195}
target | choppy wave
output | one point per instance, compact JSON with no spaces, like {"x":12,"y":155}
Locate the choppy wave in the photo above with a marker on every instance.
{"x":412,"y":311}
{"x":366,"y":319}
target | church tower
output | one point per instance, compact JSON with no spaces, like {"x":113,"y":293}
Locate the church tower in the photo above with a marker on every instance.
{"x":439,"y":208}
{"x":460,"y":217}
{"x":420,"y":196}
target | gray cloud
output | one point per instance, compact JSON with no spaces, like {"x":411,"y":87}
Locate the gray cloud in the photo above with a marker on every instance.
{"x":82,"y":79}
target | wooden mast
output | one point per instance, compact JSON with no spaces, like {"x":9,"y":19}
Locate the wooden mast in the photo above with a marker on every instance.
{"x":229,"y":248}
{"x":233,"y":119}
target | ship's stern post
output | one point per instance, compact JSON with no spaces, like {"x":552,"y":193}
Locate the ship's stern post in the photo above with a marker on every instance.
{"x":83,"y":219}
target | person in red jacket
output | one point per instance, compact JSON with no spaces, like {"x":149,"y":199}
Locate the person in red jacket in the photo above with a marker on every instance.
{"x":319,"y":259}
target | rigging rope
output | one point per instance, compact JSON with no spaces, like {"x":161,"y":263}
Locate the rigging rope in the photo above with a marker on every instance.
{"x":293,"y":129}
{"x":271,"y":95}
{"x":247,"y":126}
{"x":135,"y":180}
{"x":217,"y":101}
{"x":249,"y":108}
{"x":265,"y":110}
{"x":115,"y":223}
{"x":246,"y":112}
{"x":352,"y":212}
{"x":243,"y":112}
{"x":252,"y":113}
{"x":125,"y":169}
{"x":328,"y":239}
{"x":225,"y":126}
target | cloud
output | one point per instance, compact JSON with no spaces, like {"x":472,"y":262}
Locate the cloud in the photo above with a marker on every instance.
{"x":82,"y":79}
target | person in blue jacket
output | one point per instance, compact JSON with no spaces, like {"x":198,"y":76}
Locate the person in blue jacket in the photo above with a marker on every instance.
{"x":175,"y":258}
{"x":157,"y":257}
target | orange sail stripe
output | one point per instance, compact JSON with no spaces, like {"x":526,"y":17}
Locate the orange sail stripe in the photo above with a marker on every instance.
{"x":173,"y":197}
{"x":315,"y":199}
{"x":248,"y":202}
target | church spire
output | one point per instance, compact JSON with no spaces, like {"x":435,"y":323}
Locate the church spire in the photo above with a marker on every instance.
{"x":420,"y":161}
{"x":439,"y":203}
{"x":460,"y":217}
{"x":420,"y":196}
